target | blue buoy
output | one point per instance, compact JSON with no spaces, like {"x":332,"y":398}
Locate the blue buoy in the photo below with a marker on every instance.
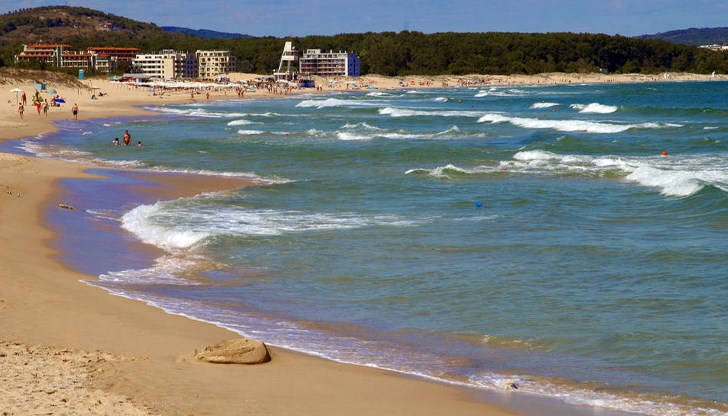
{"x":478,"y":204}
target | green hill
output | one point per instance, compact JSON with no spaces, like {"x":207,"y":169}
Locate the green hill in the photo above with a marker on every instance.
{"x":204,"y":33}
{"x":693,"y":36}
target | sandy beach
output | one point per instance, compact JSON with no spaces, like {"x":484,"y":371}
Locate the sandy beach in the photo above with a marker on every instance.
{"x":70,"y":348}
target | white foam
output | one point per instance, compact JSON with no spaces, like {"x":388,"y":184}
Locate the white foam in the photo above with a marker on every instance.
{"x":447,"y":171}
{"x":166,"y":270}
{"x":334,"y":102}
{"x":673,"y":176}
{"x":440,"y":99}
{"x":348,"y":136}
{"x":250,"y":132}
{"x":363,"y":125}
{"x":595,"y":108}
{"x":198,"y":112}
{"x":567,"y":125}
{"x":636,"y":404}
{"x":186,"y":222}
{"x":544,"y":105}
{"x":241,"y":122}
{"x":404,"y":112}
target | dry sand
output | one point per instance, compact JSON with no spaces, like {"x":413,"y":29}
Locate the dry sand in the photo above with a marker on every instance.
{"x":69,"y":348}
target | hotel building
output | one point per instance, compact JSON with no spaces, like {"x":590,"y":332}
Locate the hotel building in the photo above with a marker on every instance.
{"x":214,"y":63}
{"x":167,"y":64}
{"x":314,"y":62}
{"x":102,"y":59}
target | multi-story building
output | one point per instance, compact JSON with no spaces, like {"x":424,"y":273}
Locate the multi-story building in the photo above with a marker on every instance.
{"x":102,"y":59}
{"x":214,"y":63}
{"x":315,"y":62}
{"x":51,"y":54}
{"x":167,"y":64}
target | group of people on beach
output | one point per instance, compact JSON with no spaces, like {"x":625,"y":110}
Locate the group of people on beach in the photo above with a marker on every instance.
{"x":38,"y":102}
{"x":126,"y":140}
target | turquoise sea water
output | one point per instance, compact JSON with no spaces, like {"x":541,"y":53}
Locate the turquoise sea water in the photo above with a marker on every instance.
{"x":483,"y":236}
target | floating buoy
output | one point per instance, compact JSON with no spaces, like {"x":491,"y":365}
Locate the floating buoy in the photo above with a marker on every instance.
{"x":478,"y":204}
{"x":664,"y":153}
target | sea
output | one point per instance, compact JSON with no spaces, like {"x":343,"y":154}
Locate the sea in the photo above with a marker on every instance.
{"x":565,"y":242}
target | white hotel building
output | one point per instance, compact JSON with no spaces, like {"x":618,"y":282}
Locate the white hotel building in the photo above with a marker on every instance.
{"x":169,"y":64}
{"x":315,"y":62}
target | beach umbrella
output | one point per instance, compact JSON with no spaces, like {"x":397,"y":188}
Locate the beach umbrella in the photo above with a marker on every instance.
{"x":52,"y":92}
{"x":16,"y":91}
{"x":60,"y":100}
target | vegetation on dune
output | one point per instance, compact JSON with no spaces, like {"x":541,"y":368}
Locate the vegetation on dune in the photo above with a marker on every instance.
{"x":388,"y":53}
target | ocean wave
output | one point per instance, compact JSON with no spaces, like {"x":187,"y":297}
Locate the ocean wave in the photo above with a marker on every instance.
{"x":334,"y":102}
{"x":186,"y":222}
{"x":363,"y":125}
{"x":449,"y":171}
{"x":404,"y":112}
{"x":349,"y":136}
{"x":673,"y":176}
{"x":544,"y":105}
{"x":633,"y":403}
{"x":198,"y":112}
{"x":241,"y":122}
{"x":250,"y":132}
{"x":365,"y":134}
{"x":440,"y":99}
{"x":568,"y":125}
{"x":166,"y":270}
{"x":594,"y":108}
{"x":500,"y":92}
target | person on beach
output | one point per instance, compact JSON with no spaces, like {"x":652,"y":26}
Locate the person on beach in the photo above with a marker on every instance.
{"x":38,"y":106}
{"x":116,"y":141}
{"x":127,"y":138}
{"x":45,"y":108}
{"x":24,"y":98}
{"x":74,"y":111}
{"x":21,"y":110}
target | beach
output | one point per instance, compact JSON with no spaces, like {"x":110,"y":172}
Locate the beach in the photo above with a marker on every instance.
{"x":76,"y":349}
{"x":82,"y":351}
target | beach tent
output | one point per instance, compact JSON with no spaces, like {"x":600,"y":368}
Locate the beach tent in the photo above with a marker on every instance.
{"x":54,"y":92}
{"x":16,"y":91}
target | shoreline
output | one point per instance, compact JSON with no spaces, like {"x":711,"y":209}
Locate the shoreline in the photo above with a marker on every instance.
{"x":94,"y":326}
{"x":144,"y":365}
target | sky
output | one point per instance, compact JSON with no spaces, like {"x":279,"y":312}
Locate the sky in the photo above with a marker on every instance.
{"x":282,"y":18}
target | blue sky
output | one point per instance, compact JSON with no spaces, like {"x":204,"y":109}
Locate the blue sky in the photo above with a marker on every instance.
{"x":328,"y":17}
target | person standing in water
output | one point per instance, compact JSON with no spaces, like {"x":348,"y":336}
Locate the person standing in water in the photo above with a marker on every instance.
{"x":74,"y":111}
{"x":127,"y":138}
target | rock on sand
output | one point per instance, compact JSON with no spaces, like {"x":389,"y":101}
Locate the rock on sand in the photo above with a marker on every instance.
{"x":235,"y":351}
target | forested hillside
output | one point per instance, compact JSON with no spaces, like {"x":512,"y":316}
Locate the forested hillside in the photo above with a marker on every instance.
{"x":693,"y":36}
{"x":388,"y":53}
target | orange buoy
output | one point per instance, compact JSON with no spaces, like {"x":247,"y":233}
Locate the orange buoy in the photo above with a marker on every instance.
{"x":664,"y":153}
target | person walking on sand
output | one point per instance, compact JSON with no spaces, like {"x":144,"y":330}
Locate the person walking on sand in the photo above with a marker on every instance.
{"x":45,"y":108}
{"x":24,"y":98}
{"x":74,"y":111}
{"x":21,"y":110}
{"x":127,"y":138}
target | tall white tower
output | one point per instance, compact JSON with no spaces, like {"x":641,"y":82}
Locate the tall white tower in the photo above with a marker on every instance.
{"x":288,"y":57}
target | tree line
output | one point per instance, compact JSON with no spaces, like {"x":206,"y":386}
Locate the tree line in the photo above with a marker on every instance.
{"x":403,"y":53}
